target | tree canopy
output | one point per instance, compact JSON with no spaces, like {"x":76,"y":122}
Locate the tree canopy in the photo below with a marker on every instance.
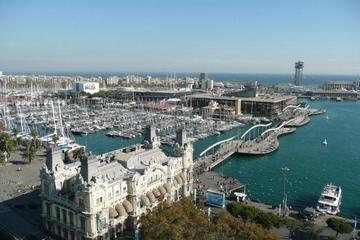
{"x":183,"y":220}
{"x":339,"y":225}
{"x":253,"y":215}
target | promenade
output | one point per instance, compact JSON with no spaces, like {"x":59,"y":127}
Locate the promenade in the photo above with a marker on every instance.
{"x":264,"y":144}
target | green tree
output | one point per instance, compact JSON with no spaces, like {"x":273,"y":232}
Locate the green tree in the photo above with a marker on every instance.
{"x":339,"y":225}
{"x":15,"y":132}
{"x":79,"y":153}
{"x":33,"y":134}
{"x":28,"y":152}
{"x":7,"y":145}
{"x":183,"y":220}
{"x":2,"y":127}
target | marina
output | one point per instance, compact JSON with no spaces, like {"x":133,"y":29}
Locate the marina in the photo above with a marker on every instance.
{"x":262,"y":174}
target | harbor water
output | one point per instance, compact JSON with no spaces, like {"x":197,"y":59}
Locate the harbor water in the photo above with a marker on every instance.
{"x":311,"y":163}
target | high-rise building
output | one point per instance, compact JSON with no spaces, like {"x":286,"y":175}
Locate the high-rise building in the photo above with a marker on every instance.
{"x":299,"y":66}
{"x":203,"y":80}
{"x":203,"y":76}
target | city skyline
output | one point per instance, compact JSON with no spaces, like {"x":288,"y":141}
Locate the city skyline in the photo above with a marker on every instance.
{"x":163,"y":36}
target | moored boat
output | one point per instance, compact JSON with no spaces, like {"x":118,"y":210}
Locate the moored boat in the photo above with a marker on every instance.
{"x":330,"y":200}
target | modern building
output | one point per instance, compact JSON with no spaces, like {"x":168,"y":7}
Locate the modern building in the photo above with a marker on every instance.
{"x":350,"y":95}
{"x":299,"y":66}
{"x":205,"y":82}
{"x":102,"y":196}
{"x":266,"y":105}
{"x":87,"y":87}
{"x":341,"y":85}
{"x":112,"y":81}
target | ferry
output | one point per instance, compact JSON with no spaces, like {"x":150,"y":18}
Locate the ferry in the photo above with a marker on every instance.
{"x":330,"y":200}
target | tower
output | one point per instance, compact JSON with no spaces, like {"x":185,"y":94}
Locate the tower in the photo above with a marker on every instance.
{"x":299,"y":66}
{"x":203,"y":80}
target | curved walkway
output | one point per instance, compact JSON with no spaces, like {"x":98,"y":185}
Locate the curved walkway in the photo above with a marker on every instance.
{"x":264,"y":144}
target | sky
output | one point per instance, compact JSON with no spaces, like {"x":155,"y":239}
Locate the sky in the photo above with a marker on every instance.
{"x":180,"y":36}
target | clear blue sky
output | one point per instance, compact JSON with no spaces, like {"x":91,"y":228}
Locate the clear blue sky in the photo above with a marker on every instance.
{"x":180,"y":35}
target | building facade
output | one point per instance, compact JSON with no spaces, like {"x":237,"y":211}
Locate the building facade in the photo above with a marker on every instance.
{"x":102,"y":196}
{"x":87,"y":87}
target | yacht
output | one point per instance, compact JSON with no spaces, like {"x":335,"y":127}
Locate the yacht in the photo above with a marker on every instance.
{"x":330,"y":200}
{"x":339,"y":99}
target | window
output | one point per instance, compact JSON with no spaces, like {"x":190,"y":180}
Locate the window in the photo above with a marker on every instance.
{"x":72,"y":235}
{"x":64,"y":216}
{"x":82,"y":223}
{"x":81,"y":203}
{"x":48,"y":209}
{"x":65,"y":233}
{"x":57,"y":213}
{"x":99,"y":200}
{"x":71,"y":219}
{"x":117,"y":192}
{"x":110,"y":195}
{"x":59,"y":230}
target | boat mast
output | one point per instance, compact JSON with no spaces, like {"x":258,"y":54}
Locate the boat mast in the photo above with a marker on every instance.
{"x":60,"y":121}
{"x":53,"y":112}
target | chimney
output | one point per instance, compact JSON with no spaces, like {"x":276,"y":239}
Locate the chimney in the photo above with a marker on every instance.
{"x":89,"y":168}
{"x":54,"y":157}
{"x":181,"y":137}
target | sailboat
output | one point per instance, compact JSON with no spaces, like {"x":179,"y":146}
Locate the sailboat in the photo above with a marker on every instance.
{"x":325,"y":142}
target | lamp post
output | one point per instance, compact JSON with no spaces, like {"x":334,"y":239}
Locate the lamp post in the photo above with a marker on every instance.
{"x":284,"y":170}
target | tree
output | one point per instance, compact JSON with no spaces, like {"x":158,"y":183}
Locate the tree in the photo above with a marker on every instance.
{"x":35,"y":142}
{"x":79,"y":153}
{"x":33,"y":134}
{"x":15,"y":132}
{"x":183,"y":220}
{"x":2,"y":127}
{"x":7,"y":145}
{"x":339,"y":225}
{"x":247,"y":213}
{"x":28,"y":152}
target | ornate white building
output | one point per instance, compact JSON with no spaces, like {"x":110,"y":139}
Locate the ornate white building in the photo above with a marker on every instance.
{"x":101,"y":196}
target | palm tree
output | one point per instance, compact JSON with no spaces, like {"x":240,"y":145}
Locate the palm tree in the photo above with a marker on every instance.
{"x":7,"y":145}
{"x":33,"y":134}
{"x":35,"y":142}
{"x":2,"y":127}
{"x":79,"y":153}
{"x":29,"y":152}
{"x":15,"y":132}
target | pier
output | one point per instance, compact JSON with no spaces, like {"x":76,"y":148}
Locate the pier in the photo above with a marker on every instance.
{"x":260,"y":139}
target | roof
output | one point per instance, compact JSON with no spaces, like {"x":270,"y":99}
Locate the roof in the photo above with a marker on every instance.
{"x":141,"y":158}
{"x":268,"y":99}
{"x":113,"y":170}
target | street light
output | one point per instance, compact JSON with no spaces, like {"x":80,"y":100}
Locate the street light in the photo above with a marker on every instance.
{"x":284,"y":170}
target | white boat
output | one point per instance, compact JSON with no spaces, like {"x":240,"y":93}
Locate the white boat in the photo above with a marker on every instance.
{"x":327,"y":117}
{"x":330,"y":200}
{"x":325,"y":142}
{"x":339,"y":99}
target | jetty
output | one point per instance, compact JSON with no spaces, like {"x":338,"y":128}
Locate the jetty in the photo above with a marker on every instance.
{"x":260,"y":139}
